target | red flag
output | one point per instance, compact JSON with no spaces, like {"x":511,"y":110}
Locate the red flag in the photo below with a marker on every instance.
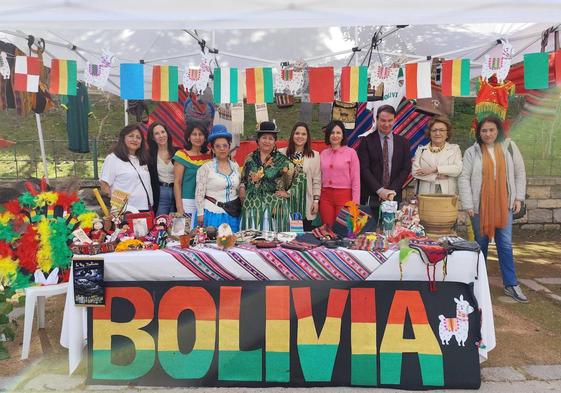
{"x":321,"y":84}
{"x":557,"y":67}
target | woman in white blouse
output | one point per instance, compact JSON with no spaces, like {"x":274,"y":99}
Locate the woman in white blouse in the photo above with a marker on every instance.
{"x":161,"y":151}
{"x":218,"y":181}
{"x":438,"y":164}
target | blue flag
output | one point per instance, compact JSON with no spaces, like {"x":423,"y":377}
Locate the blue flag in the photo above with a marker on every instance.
{"x":132,"y":81}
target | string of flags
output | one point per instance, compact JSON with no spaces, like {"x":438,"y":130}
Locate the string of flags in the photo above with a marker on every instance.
{"x":259,"y":84}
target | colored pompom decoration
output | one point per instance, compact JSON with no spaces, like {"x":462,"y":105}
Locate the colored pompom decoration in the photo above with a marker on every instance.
{"x":27,"y":200}
{"x":26,"y":250}
{"x":13,"y":206}
{"x":78,"y":208}
{"x":59,"y":237}
{"x":65,"y":200}
{"x":48,"y":198}
{"x":86,"y":219}
{"x":44,"y":253}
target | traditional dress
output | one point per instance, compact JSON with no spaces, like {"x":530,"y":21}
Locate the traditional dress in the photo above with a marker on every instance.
{"x":262,"y":209}
{"x":189,"y":181}
{"x":298,"y":189}
{"x":492,"y":100}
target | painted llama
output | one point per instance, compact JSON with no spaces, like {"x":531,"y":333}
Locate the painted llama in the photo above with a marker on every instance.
{"x":457,"y":327}
{"x":97,"y":74}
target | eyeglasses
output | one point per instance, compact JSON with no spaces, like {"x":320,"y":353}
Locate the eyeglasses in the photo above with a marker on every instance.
{"x":441,"y":130}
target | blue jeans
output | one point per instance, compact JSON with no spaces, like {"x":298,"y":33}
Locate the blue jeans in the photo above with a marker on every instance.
{"x":503,"y":241}
{"x":166,"y":204}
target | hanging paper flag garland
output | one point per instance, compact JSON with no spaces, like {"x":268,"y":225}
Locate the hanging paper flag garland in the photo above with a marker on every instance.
{"x":321,"y":84}
{"x":557,"y":67}
{"x":417,"y":80}
{"x":225,"y":85}
{"x":455,"y":77}
{"x":132,"y":81}
{"x":165,"y":83}
{"x":64,"y":76}
{"x":354,"y":84}
{"x":26,"y":74}
{"x":536,"y":70}
{"x":259,"y":85}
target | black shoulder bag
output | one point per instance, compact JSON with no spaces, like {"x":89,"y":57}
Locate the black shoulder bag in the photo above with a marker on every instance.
{"x":143,"y":186}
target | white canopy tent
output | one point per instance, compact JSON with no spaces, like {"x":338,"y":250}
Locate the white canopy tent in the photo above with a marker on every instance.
{"x":266,"y":33}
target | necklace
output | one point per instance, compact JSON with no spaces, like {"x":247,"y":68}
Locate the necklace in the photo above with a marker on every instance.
{"x":436,"y":149}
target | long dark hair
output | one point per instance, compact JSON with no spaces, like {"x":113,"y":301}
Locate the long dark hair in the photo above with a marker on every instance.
{"x":121,"y":151}
{"x":192,"y":126}
{"x":153,"y":146}
{"x":490,"y":119}
{"x":329,"y":129}
{"x":308,"y":152}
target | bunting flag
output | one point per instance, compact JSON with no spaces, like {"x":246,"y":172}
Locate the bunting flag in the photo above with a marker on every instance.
{"x":455,"y":77}
{"x":417,"y":80}
{"x":259,"y":85}
{"x":536,"y":70}
{"x":132,"y":81}
{"x":354,"y":84}
{"x":64,"y":77}
{"x":557,"y":67}
{"x":26,"y":74}
{"x":226,"y":86}
{"x":321,"y":84}
{"x":165,"y":81}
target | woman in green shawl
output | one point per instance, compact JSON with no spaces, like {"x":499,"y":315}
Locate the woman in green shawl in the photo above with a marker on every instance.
{"x":266,"y":177}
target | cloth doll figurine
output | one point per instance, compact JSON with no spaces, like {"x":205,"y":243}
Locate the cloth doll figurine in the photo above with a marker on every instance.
{"x":98,"y":234}
{"x":125,"y":232}
{"x":159,"y":232}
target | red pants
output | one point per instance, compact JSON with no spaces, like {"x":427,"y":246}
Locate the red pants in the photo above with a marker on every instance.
{"x":332,"y":200}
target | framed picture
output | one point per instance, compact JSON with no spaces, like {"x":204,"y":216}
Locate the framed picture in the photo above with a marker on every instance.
{"x":140,"y":223}
{"x":181,"y":225}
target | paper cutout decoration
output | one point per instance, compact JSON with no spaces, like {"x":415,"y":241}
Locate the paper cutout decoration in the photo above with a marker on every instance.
{"x":97,"y":74}
{"x":321,"y":84}
{"x":498,"y":65}
{"x":354,"y":84}
{"x":536,"y":70}
{"x":417,"y":80}
{"x":26,"y":74}
{"x":226,"y":86}
{"x":4,"y":66}
{"x":289,"y":80}
{"x":455,"y":77}
{"x":165,"y":83}
{"x":259,"y":85}
{"x":197,"y":77}
{"x":132,"y":81}
{"x":64,"y":77}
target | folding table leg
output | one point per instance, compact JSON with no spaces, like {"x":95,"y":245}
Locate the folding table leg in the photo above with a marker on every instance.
{"x":28,"y":324}
{"x":41,"y":300}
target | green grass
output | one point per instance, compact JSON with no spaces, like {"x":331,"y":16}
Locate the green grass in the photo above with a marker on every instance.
{"x":539,"y":141}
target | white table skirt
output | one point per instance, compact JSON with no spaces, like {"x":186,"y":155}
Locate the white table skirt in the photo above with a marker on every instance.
{"x":161,"y":266}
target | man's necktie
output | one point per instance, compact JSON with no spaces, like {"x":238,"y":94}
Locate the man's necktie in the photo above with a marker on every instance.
{"x":385,"y":155}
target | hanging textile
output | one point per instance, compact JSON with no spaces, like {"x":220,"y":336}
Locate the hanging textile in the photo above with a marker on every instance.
{"x":10,"y":99}
{"x":77,"y":113}
{"x":492,"y":99}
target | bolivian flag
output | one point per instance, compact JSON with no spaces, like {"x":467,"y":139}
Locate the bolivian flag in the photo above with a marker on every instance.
{"x":354,"y":84}
{"x":259,"y":85}
{"x":64,"y":75}
{"x":164,"y":83}
{"x":455,"y":77}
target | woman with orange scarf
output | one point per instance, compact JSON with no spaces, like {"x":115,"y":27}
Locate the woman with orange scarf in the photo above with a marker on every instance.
{"x":492,"y":187}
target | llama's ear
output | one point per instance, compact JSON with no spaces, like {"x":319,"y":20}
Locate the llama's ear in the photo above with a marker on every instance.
{"x":461,"y":298}
{"x":456,"y":300}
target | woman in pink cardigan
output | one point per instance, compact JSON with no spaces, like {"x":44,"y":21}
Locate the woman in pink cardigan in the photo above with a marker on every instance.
{"x":340,"y":173}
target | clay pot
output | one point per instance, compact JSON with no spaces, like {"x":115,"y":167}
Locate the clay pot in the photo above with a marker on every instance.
{"x":438,"y":213}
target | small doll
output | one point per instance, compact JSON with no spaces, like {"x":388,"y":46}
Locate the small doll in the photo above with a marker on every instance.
{"x":125,"y":232}
{"x":97,"y":233}
{"x":159,"y":232}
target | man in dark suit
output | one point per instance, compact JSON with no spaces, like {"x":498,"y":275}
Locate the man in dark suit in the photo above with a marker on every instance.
{"x":385,"y":163}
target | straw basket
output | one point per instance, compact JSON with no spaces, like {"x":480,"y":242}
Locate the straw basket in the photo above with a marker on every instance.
{"x":438,"y":213}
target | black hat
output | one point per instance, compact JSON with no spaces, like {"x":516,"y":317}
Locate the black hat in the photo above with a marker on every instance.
{"x":267,"y":127}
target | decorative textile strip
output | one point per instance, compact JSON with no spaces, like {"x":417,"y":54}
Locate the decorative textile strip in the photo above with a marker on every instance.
{"x":201,"y":264}
{"x":247,"y":266}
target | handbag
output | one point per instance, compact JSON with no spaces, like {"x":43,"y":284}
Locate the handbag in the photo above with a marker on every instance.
{"x":522,"y":212}
{"x":296,"y":224}
{"x":233,"y":208}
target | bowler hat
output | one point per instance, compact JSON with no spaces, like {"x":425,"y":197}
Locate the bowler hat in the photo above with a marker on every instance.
{"x":219,"y":131}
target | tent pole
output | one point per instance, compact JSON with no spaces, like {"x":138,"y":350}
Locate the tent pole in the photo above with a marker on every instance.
{"x":356,"y":44}
{"x":42,"y":146}
{"x":126,"y":105}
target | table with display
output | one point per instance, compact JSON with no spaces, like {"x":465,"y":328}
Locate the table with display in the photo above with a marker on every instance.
{"x":279,"y":317}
